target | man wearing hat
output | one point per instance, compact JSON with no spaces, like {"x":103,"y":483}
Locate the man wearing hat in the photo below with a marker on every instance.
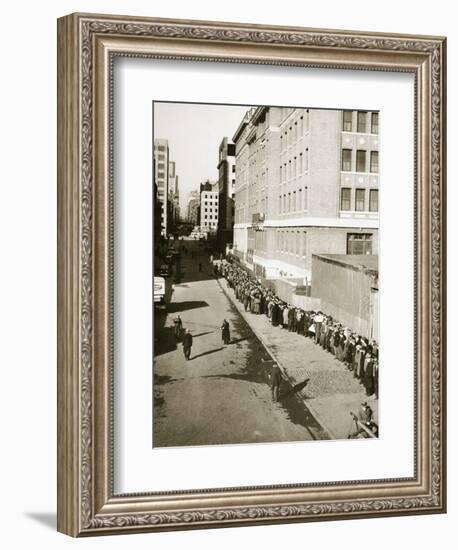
{"x":362,"y":418}
{"x":187,"y":344}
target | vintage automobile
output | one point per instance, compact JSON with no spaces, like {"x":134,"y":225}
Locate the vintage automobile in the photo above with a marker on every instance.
{"x":164,"y":270}
{"x":159,"y":292}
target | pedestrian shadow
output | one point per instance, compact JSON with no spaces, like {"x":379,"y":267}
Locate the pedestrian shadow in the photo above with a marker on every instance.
{"x":203,"y":333}
{"x":177,"y":307}
{"x":206,"y":353}
{"x":236,"y":341}
{"x":164,"y":341}
{"x":297,"y":388}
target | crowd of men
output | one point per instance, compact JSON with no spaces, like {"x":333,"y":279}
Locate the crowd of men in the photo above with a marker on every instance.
{"x":358,"y":353}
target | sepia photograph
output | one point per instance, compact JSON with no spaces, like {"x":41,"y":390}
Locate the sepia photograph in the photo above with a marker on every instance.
{"x":266,"y":274}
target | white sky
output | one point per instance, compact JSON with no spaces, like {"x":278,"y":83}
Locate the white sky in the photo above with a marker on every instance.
{"x":194,"y":132}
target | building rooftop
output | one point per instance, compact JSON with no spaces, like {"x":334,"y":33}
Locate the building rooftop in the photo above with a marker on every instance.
{"x":364,"y":262}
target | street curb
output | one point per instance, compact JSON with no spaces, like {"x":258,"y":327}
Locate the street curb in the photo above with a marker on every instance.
{"x":307,"y":404}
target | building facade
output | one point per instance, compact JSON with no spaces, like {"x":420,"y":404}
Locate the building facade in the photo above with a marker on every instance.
{"x":193,"y":207}
{"x":306,"y":183}
{"x":161,"y":178}
{"x":173,"y":196}
{"x":226,"y":191}
{"x":209,"y":199}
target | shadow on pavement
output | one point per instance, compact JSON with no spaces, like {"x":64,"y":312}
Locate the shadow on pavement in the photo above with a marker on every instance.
{"x":178,"y":307}
{"x":297,"y":388}
{"x":205,"y":353}
{"x":164,"y":341}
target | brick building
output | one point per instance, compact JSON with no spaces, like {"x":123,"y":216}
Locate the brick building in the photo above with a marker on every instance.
{"x":306,"y":183}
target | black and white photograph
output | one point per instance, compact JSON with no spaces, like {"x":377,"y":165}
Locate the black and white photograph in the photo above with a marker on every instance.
{"x":266,"y":279}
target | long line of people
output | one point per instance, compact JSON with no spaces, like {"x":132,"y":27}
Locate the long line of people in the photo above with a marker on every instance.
{"x":358,"y":353}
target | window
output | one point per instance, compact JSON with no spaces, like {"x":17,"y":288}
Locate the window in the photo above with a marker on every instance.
{"x":304,"y":235}
{"x":299,"y":200}
{"x":359,"y":243}
{"x":359,"y":200}
{"x":294,"y":167}
{"x":306,"y":190}
{"x":294,"y":201}
{"x":279,"y":204}
{"x":374,"y":161}
{"x":345,"y":198}
{"x":289,"y":202}
{"x":362,"y":119}
{"x":374,"y":123}
{"x":346,"y":160}
{"x":373,"y":200}
{"x":347,"y":121}
{"x":281,"y":174}
{"x":301,"y":126}
{"x":360,"y":161}
{"x":301,"y":164}
{"x":307,"y":160}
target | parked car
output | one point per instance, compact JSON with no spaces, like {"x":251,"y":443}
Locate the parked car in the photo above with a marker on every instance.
{"x":164,"y":270}
{"x":159,"y":291}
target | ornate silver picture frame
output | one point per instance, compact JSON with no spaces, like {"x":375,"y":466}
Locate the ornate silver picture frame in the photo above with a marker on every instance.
{"x":88,"y":44}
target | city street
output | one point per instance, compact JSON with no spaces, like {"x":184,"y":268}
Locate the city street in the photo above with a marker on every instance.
{"x":222,"y":394}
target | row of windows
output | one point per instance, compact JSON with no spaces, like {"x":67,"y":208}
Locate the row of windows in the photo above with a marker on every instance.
{"x":295,"y":166}
{"x":294,"y":131}
{"x":360,"y":161}
{"x":210,"y":217}
{"x":360,"y":200}
{"x":293,"y":201}
{"x":362,"y":122}
{"x":291,"y":242}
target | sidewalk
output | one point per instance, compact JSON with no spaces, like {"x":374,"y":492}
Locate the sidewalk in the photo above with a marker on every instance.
{"x":328,"y":389}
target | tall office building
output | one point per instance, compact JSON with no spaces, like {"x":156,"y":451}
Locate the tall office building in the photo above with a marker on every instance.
{"x":209,"y":198}
{"x":161,"y":178}
{"x":226,"y":192}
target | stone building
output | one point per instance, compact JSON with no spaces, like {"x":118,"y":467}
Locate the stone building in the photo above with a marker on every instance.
{"x":306,"y":183}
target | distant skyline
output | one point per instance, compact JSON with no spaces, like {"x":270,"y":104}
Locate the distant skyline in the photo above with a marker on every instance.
{"x":194,"y":133}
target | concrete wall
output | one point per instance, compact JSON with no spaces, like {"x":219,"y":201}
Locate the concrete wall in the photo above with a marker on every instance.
{"x":345,"y":293}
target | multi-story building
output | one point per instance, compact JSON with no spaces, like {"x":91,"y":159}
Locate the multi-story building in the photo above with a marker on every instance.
{"x":306,"y":183}
{"x":174,"y":195}
{"x":209,"y":206}
{"x":226,"y":190}
{"x":161,"y":178}
{"x":192,"y":214}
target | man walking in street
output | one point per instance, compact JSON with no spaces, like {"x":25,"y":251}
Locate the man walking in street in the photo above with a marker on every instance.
{"x":276,"y":377}
{"x":225,"y":332}
{"x":187,"y":344}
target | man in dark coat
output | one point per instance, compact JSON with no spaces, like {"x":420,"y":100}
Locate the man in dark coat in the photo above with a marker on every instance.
{"x":276,"y":377}
{"x":187,"y":344}
{"x":225,"y":332}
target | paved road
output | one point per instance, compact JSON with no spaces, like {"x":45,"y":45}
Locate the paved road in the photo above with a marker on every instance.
{"x":221,"y":395}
